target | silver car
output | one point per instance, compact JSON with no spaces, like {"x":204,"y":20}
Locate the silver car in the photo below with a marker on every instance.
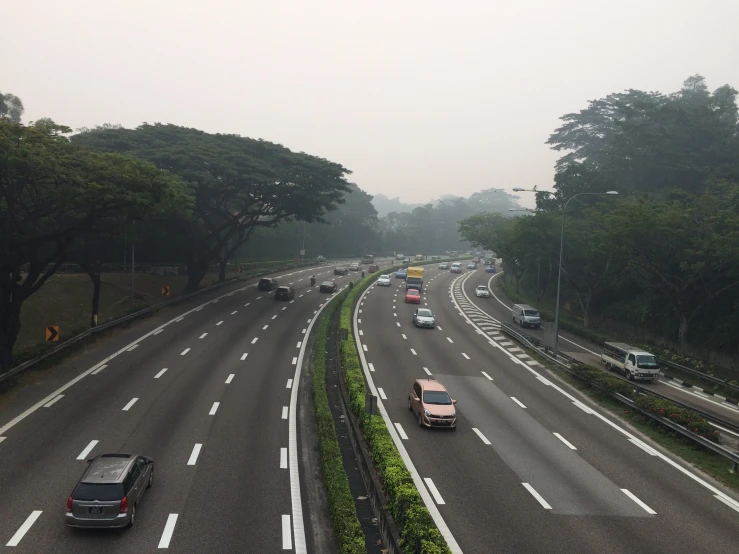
{"x":423,"y":317}
{"x":109,"y":491}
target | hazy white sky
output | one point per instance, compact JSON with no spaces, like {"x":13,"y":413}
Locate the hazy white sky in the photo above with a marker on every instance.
{"x":417,"y":98}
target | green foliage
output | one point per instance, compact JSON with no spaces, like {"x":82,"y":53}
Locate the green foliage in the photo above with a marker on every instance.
{"x":11,"y":107}
{"x":347,"y":529}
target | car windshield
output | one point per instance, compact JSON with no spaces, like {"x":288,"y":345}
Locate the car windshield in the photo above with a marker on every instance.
{"x":532,"y":313}
{"x":482,"y":288}
{"x":98,"y":491}
{"x":282,"y":289}
{"x":425,"y":313}
{"x":437,"y":397}
{"x":646,"y":362}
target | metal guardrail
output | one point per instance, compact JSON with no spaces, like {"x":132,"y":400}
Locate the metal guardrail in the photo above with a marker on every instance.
{"x":118,"y":321}
{"x":699,"y":374}
{"x":530,"y":342}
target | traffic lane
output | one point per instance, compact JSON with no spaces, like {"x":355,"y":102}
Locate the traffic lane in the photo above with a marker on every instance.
{"x":177,"y":400}
{"x":589,"y":353}
{"x":466,"y":473}
{"x":681,"y":503}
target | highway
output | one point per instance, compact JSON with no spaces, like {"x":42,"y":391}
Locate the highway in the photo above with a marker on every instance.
{"x":499,"y":308}
{"x":533,"y":466}
{"x":208,"y":390}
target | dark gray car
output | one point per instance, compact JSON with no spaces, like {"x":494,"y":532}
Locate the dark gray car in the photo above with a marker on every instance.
{"x":424,"y":318}
{"x":109,"y":491}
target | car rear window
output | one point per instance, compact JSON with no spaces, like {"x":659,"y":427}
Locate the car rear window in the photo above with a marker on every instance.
{"x":98,"y":491}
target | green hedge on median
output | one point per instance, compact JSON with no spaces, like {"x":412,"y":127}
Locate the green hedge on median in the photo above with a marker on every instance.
{"x":347,"y":529}
{"x":405,"y":503}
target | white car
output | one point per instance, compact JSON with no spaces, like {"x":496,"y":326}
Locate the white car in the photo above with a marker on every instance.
{"x":444,"y":266}
{"x":384,"y":281}
{"x":400,"y":256}
{"x":482,"y":292}
{"x":355,"y":267}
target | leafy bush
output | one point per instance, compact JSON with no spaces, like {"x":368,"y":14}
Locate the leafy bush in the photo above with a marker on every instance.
{"x":347,"y":529}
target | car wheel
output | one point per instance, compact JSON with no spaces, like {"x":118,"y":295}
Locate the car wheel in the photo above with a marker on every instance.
{"x":151,"y":480}
{"x":420,"y":420}
{"x":133,"y":516}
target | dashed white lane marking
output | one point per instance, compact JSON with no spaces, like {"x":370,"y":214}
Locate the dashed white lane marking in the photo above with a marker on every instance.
{"x":254,"y":340}
{"x":433,"y":490}
{"x":53,"y":401}
{"x":247,"y":304}
{"x":538,"y":497}
{"x":203,"y":335}
{"x":413,"y":352}
{"x":361,"y":332}
{"x":265,"y":327}
{"x":214,"y":408}
{"x":258,"y":297}
{"x":244,"y":355}
{"x":185,"y":351}
{"x":633,"y":497}
{"x":483,"y":438}
{"x":465,"y":355}
{"x":232,"y":313}
{"x":87,"y":450}
{"x":289,"y":384}
{"x":517,"y":401}
{"x":195,"y":453}
{"x":401,"y":431}
{"x":450,"y":340}
{"x":230,"y":378}
{"x":427,"y":371}
{"x":295,"y":360}
{"x":439,"y":328}
{"x":564,"y":440}
{"x":168,"y":531}
{"x":397,"y":323}
{"x":98,"y":370}
{"x":284,"y":308}
{"x":160,"y":373}
{"x":487,"y":376}
{"x":130,"y":404}
{"x":372,"y":368}
{"x":287,"y":539}
{"x":303,"y":332}
{"x":299,"y":343}
{"x":134,"y":347}
{"x":23,"y":529}
{"x":274,"y":316}
{"x":217,"y":324}
{"x":381,"y":393}
{"x":285,"y":411}
{"x":506,"y":343}
{"x":283,"y":458}
{"x":364,"y":347}
{"x":404,"y":337}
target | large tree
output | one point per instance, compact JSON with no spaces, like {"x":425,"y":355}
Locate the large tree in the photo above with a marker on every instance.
{"x":239,"y":184}
{"x":52,"y":195}
{"x":11,"y":107}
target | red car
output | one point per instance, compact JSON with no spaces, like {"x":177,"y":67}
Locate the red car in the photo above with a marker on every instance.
{"x":412,"y":296}
{"x":476,"y":260}
{"x":372,"y":268}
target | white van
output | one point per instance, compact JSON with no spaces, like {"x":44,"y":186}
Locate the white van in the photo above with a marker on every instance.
{"x":526,"y":316}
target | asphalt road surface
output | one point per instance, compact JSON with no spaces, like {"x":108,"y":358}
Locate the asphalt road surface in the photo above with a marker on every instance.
{"x":533,"y":465}
{"x":499,"y":308}
{"x":208,"y":394}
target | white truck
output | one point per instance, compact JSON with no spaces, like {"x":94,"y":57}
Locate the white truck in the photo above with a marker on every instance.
{"x":634,"y":363}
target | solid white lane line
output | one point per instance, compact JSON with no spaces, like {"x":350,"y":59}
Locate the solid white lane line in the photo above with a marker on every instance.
{"x":264,"y":328}
{"x":254,"y":340}
{"x":372,"y":368}
{"x":195,"y":453}
{"x":214,"y":408}
{"x":289,"y":383}
{"x":731,"y":503}
{"x":244,"y":355}
{"x":564,"y":440}
{"x":465,"y":355}
{"x":23,"y":529}
{"x":285,"y":411}
{"x":203,"y":335}
{"x":217,"y":324}
{"x":483,"y":438}
{"x":287,"y":539}
{"x":185,"y":351}
{"x":54,"y":401}
{"x":381,"y":393}
{"x":87,"y":450}
{"x":230,"y":378}
{"x":98,"y":370}
{"x":168,"y":531}
{"x":450,"y":340}
{"x":413,"y":352}
{"x":583,"y":407}
{"x":646,"y":448}
{"x":401,"y":432}
{"x":158,"y":331}
{"x":633,"y":497}
{"x":134,"y":347}
{"x":161,"y":372}
{"x":404,"y":337}
{"x":427,"y":371}
{"x":283,"y":458}
{"x":295,"y":360}
{"x":179,"y":319}
{"x":537,"y":496}
{"x":433,"y":490}
{"x":130,"y":404}
{"x":517,"y":401}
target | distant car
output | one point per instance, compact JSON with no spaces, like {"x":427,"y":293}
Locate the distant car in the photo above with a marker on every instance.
{"x":412,"y":296}
{"x":355,"y":267}
{"x":432,"y":405}
{"x":401,"y":274}
{"x":476,"y":260}
{"x":490,"y":269}
{"x":424,"y":317}
{"x":373,"y":268}
{"x":109,"y":490}
{"x":267,"y":284}
{"x":400,"y":256}
{"x":472,"y":265}
{"x":320,"y":259}
{"x":456,"y":268}
{"x":444,"y":266}
{"x":482,"y":292}
{"x":328,"y":286}
{"x":284,"y":293}
{"x":383,"y":281}
{"x":341,"y":270}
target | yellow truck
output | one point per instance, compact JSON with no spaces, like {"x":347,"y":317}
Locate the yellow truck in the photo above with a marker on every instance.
{"x":414,"y":278}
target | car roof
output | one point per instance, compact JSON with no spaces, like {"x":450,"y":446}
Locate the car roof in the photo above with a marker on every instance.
{"x":482,"y":286}
{"x":283,"y":287}
{"x":108,"y":468}
{"x":328,"y":283}
{"x":431,"y":384}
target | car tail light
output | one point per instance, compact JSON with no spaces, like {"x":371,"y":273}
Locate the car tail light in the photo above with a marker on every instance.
{"x":69,"y":504}
{"x":124,"y":505}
